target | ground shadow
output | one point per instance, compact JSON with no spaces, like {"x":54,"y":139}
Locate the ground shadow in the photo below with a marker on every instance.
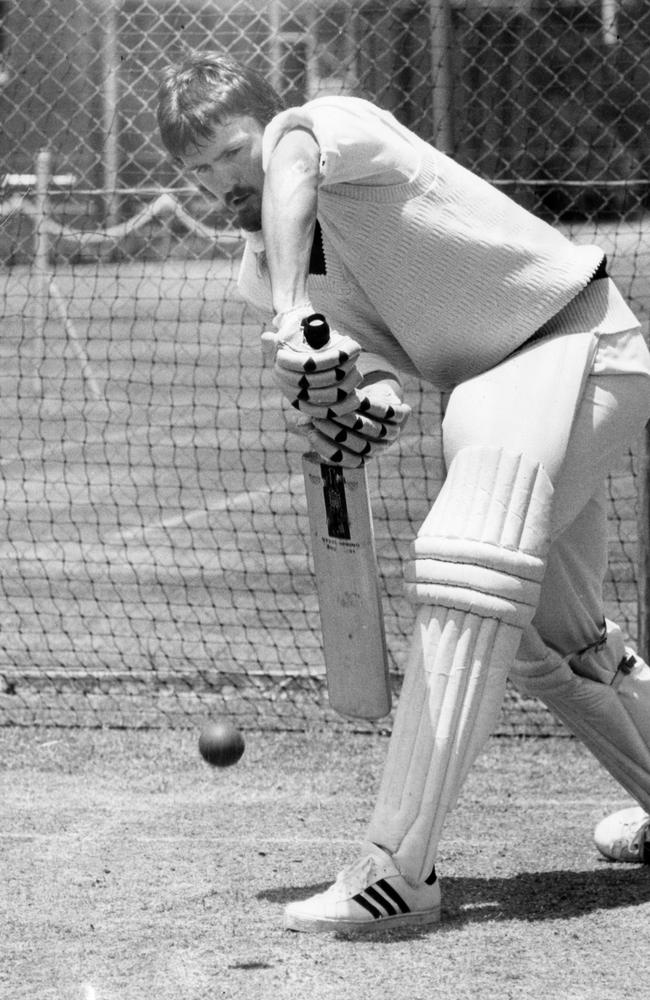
{"x":527,"y":896}
{"x":545,"y":895}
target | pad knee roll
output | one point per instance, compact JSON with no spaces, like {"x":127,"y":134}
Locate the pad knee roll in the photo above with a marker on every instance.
{"x":483,"y":547}
{"x":476,"y":572}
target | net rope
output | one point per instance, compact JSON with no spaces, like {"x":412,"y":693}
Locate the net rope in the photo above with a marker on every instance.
{"x":155,"y":546}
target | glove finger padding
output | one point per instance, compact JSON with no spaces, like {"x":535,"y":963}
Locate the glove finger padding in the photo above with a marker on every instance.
{"x":323,"y":395}
{"x":357,"y":404}
{"x":350,"y":438}
{"x":393,"y":412}
{"x":341,"y":351}
{"x":318,"y":382}
{"x":347,"y":403}
{"x":374,"y":425}
{"x":332,"y":452}
{"x":328,"y":449}
{"x":360,"y":443}
{"x":368,"y":427}
{"x":315,"y":380}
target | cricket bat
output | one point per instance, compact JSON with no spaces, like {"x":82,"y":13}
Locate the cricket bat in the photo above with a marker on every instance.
{"x":347,"y":581}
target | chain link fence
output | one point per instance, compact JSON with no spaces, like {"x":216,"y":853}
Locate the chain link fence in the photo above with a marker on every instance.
{"x":546,"y":97}
{"x":155,"y":547}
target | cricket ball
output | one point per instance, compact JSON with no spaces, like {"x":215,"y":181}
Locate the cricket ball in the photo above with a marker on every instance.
{"x":221,"y":744}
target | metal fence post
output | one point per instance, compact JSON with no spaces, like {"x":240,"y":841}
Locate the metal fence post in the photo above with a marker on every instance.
{"x":442,"y":75}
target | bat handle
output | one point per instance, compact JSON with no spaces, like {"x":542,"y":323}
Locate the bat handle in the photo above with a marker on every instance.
{"x":315,"y":330}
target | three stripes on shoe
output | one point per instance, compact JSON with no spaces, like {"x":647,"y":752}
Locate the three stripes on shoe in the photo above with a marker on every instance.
{"x":382,"y":900}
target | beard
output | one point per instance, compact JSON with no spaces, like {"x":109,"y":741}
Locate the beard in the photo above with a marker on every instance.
{"x":246,"y":205}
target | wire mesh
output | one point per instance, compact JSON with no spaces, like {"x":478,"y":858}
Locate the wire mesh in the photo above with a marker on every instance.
{"x":155,"y":548}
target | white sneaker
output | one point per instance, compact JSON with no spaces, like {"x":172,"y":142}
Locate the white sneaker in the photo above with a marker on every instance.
{"x":625,"y":836}
{"x":368,"y":895}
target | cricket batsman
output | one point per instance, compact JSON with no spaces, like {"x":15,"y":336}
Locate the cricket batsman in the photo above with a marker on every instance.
{"x":423,"y":268}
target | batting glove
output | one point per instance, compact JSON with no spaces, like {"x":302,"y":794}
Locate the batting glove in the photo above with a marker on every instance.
{"x":319,"y":383}
{"x":350,"y":439}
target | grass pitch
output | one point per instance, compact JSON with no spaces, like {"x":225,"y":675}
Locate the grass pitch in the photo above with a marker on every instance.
{"x":133,"y":870}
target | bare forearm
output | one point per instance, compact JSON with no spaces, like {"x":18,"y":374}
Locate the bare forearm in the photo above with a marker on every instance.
{"x":289,"y":216}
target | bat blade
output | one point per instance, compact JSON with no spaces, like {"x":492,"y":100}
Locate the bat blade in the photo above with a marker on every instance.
{"x":349,"y":595}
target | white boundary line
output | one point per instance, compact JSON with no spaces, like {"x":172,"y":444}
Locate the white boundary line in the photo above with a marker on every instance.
{"x":141,"y":838}
{"x":238,"y":502}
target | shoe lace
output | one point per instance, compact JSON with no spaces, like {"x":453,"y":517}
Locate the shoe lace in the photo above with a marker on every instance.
{"x":357,"y":875}
{"x":633,"y":835}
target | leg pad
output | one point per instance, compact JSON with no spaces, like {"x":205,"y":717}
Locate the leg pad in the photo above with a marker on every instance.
{"x":611,"y":719}
{"x":483,"y":547}
{"x":476,"y":573}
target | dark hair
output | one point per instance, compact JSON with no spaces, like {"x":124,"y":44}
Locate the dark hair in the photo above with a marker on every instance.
{"x":205,"y":90}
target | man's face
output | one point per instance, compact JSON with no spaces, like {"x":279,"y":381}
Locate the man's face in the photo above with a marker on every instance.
{"x":230,"y":166}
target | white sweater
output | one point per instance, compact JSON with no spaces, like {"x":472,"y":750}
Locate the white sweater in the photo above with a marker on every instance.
{"x":427,"y":265}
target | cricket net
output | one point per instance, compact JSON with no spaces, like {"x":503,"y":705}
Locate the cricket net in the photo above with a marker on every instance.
{"x":155,"y":551}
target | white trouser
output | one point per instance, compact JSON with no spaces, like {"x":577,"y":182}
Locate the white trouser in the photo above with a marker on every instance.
{"x":611,"y":414}
{"x":575,"y":438}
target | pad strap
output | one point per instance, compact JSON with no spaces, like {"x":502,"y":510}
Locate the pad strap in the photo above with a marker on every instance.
{"x":483,"y":547}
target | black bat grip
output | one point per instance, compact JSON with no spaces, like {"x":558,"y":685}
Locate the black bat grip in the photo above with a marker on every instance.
{"x":315,"y":330}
